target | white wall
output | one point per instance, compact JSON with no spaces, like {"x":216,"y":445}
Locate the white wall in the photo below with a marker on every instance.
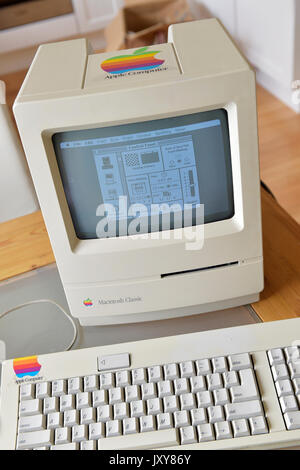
{"x":267,"y":32}
{"x":17,"y":195}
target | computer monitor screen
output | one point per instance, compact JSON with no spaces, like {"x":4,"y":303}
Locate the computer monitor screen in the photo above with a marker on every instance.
{"x":167,"y":165}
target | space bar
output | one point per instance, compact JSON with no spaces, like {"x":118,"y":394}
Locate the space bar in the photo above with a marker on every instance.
{"x":145,"y":440}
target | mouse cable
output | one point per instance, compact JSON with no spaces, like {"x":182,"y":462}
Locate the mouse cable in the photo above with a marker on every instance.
{"x":32,"y":302}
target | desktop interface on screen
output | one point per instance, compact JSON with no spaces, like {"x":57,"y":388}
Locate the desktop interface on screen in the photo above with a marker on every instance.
{"x":166,"y":165}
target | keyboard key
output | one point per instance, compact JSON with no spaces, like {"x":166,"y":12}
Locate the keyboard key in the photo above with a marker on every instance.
{"x":106,"y":381}
{"x":188,"y":435}
{"x":223,"y":430}
{"x":67,"y":402}
{"x":30,"y":440}
{"x":79,"y":433}
{"x":181,"y":419}
{"x":230,"y":379}
{"x":219,"y":365}
{"x":292,"y":354}
{"x":240,"y":428}
{"x":164,"y":421}
{"x":240,"y":361}
{"x":147,"y":423}
{"x":104,"y":413}
{"x":115,"y":395}
{"x":139,"y":376}
{"x":186,"y":369}
{"x":83,"y":400}
{"x":276,"y":356}
{"x":294,"y":368}
{"x":280,"y":372}
{"x":214,"y":381}
{"x":150,"y":440}
{"x":96,"y":431}
{"x":221,"y":396}
{"x":130,"y":426}
{"x":215,"y":414}
{"x":258,"y":425}
{"x":113,"y":428}
{"x":88,"y":445}
{"x":30,"y":407}
{"x":164,"y":388}
{"x":247,"y":390}
{"x":154,"y":406}
{"x":171,"y":404}
{"x":42,"y":390}
{"x":245,"y":410}
{"x":137,"y":408}
{"x":198,"y":416}
{"x":71,"y":418}
{"x":121,"y":411}
{"x":50,"y":405}
{"x":296,"y":384}
{"x":284,"y":388}
{"x":54,"y":420}
{"x":75,"y":385}
{"x":187,"y":401}
{"x":100,"y":397}
{"x":205,"y":433}
{"x":292,"y":420}
{"x":59,"y":388}
{"x":114,"y":361}
{"x":155,"y":374}
{"x":123,"y":378}
{"x":288,"y":403}
{"x":70,"y":446}
{"x":90,"y":383}
{"x":181,"y":386}
{"x":198,"y":384}
{"x":132,"y":393}
{"x":87,"y":415}
{"x":148,"y":391}
{"x":203,"y":367}
{"x":63,"y":435}
{"x":26,"y":391}
{"x":32,"y":423}
{"x":204,"y":399}
{"x":171,"y":371}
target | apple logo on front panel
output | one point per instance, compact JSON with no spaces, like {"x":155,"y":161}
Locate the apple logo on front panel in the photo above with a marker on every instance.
{"x":141,"y":59}
{"x":88,"y":302}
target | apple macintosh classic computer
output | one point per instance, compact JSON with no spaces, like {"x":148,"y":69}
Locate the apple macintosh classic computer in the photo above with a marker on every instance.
{"x":115,"y":143}
{"x":171,"y":125}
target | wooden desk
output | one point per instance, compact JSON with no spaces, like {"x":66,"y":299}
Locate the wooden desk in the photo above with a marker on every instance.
{"x":24,"y":246}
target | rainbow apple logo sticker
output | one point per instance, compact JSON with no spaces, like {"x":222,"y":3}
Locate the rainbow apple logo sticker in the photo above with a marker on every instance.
{"x":88,"y":303}
{"x":141,"y":59}
{"x":26,"y":366}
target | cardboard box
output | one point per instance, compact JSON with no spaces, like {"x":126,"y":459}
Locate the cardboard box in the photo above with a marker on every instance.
{"x":145,"y":22}
{"x":33,"y":10}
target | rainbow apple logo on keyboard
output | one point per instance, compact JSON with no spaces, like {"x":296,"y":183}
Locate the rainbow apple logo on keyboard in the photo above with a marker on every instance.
{"x":88,"y":303}
{"x":26,"y":366}
{"x":141,"y":59}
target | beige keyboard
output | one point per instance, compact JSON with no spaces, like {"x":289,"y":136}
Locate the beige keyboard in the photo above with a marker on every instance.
{"x":230,"y":388}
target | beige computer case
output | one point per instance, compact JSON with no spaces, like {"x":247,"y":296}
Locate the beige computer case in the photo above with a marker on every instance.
{"x":66,"y":89}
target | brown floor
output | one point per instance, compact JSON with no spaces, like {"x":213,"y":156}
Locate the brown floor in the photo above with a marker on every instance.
{"x":279,"y":140}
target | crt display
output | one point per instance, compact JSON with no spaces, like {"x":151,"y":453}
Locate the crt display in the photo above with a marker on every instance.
{"x":179,"y":162}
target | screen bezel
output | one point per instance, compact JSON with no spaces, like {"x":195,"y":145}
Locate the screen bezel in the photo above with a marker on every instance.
{"x":213,"y":231}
